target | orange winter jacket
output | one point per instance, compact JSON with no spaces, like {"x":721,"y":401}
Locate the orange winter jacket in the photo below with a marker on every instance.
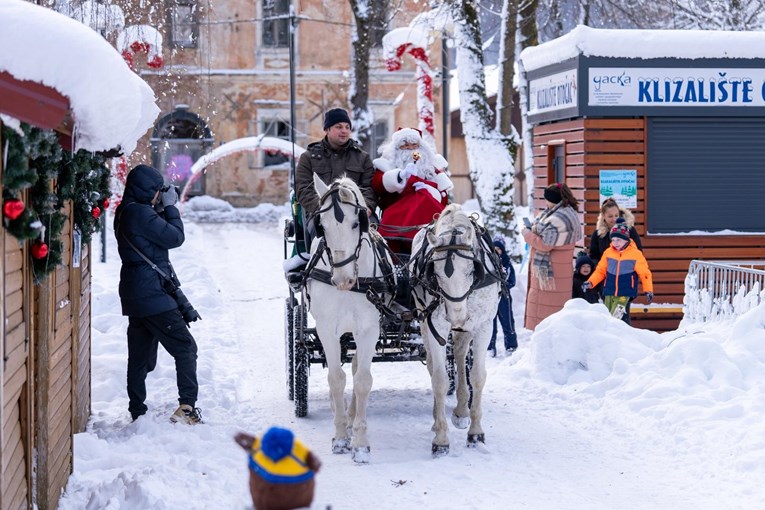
{"x":621,"y":271}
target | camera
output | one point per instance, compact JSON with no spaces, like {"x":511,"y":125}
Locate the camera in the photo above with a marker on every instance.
{"x":187,"y":310}
{"x":165,"y":188}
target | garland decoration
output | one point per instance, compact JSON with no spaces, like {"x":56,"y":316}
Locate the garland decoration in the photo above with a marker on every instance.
{"x":54,"y":178}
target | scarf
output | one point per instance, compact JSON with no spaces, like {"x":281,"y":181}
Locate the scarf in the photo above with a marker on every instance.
{"x":557,"y":226}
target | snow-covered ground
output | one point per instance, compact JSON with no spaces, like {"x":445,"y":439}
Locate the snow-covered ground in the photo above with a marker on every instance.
{"x":587,"y":414}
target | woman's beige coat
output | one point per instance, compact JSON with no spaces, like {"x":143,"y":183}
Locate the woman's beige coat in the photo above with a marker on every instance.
{"x":540,"y":304}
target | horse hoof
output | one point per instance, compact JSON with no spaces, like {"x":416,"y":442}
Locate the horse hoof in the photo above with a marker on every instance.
{"x":474,"y":439}
{"x":460,"y":422}
{"x":341,"y":446}
{"x":440,"y":450}
{"x":361,"y":455}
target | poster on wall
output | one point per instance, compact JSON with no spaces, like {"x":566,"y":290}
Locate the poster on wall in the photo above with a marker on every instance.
{"x":621,"y":185}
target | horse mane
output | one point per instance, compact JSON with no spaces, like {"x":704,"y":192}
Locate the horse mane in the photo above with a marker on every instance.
{"x":350,"y":185}
{"x":453,"y":216}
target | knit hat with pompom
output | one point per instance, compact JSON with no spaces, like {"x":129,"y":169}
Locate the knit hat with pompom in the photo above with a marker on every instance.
{"x":620,"y":230}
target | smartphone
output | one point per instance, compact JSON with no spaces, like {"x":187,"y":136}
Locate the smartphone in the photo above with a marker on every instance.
{"x":527,"y":222}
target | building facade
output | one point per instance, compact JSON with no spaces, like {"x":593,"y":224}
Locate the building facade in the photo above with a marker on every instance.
{"x":226,"y":75}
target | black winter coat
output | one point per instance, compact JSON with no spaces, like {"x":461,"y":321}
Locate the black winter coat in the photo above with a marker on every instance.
{"x":601,"y":238}
{"x":141,"y":287}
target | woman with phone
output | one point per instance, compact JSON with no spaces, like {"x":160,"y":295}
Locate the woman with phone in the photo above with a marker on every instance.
{"x":552,"y":237}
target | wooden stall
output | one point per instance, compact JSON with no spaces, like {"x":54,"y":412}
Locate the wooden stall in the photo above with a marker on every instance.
{"x":681,"y":136}
{"x":45,"y":334}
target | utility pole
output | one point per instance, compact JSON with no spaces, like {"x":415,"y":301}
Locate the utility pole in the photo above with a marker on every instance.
{"x":445,"y":78}
{"x":293,"y":25}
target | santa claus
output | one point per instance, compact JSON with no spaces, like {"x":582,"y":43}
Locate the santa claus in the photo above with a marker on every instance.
{"x":411,"y":183}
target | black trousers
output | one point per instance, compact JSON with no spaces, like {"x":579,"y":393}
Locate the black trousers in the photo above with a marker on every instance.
{"x":144,"y":334}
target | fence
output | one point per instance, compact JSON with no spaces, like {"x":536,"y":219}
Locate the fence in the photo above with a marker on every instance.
{"x":721,"y":289}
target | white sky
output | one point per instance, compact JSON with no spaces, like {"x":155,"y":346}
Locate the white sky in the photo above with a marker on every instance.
{"x":111,"y":105}
{"x":653,"y":421}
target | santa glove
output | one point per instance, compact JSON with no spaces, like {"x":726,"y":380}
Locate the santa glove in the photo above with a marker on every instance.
{"x":408,"y":171}
{"x":649,"y":297}
{"x":586,"y":286}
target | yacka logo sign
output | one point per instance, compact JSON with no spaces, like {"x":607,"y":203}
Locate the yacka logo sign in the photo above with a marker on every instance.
{"x":622,"y":80}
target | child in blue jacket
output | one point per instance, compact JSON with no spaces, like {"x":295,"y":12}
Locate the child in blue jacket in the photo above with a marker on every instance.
{"x":505,"y":308}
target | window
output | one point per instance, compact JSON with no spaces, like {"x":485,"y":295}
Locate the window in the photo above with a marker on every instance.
{"x":183,"y":24}
{"x":277,"y":129}
{"x":556,"y":163}
{"x":276,"y":31}
{"x":704,"y":173}
{"x":377,"y":138}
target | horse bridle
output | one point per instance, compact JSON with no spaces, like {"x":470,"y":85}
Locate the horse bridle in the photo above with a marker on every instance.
{"x":334,"y":192}
{"x":451,"y":249}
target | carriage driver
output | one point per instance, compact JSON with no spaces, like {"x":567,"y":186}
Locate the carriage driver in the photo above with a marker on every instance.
{"x":335,"y":156}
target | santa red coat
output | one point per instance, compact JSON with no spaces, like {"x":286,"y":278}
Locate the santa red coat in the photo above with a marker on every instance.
{"x":403,"y":204}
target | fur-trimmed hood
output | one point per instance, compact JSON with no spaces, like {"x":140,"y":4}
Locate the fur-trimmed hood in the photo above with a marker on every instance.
{"x":603,"y":229}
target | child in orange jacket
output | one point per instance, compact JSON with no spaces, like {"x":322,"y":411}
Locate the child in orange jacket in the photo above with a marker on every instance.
{"x":621,"y":265}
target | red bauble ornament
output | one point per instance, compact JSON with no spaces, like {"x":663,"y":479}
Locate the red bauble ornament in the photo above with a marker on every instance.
{"x":106,"y":204}
{"x":39,"y":249}
{"x":12,"y":208}
{"x":96,"y":212}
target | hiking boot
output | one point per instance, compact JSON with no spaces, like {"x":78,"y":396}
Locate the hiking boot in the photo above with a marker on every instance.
{"x":187,"y":414}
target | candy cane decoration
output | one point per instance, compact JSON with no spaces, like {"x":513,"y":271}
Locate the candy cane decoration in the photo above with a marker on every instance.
{"x":414,"y":41}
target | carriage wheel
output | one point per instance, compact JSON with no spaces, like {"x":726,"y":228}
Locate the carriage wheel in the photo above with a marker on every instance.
{"x":300,"y":362}
{"x":289,"y":335}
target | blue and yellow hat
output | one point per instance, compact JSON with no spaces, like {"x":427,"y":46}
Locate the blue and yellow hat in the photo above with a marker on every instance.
{"x":280,"y":458}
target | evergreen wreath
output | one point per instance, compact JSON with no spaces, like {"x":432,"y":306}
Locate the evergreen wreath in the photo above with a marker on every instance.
{"x":54,"y":177}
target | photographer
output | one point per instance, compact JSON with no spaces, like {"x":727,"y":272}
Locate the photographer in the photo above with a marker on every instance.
{"x":148,"y":224}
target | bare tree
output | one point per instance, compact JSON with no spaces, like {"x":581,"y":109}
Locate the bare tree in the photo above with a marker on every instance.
{"x":370,"y":17}
{"x":507,"y":64}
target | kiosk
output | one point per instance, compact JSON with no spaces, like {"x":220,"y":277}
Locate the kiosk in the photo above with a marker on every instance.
{"x":671,"y":124}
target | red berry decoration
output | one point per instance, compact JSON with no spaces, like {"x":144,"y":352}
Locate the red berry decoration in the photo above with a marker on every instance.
{"x":12,"y":208}
{"x":106,"y":204}
{"x":39,"y":249}
{"x":156,"y":62}
{"x":96,"y":212}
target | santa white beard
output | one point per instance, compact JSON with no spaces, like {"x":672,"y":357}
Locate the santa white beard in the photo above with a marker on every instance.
{"x":425,"y":168}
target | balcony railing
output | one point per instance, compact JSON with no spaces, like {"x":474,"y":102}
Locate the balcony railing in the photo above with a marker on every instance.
{"x":722,"y":289}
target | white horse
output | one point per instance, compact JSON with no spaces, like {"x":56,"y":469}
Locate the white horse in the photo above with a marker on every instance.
{"x":457,"y":291}
{"x":348,"y":263}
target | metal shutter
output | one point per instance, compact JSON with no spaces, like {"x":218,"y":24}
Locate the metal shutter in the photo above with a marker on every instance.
{"x":705,"y":174}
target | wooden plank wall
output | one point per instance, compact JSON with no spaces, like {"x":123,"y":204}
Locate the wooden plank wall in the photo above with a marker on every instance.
{"x":55,"y":380}
{"x":16,"y":427}
{"x":81,"y":342}
{"x":609,"y":144}
{"x":592,"y":145}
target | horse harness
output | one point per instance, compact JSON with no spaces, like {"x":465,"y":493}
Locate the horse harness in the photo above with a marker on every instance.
{"x":487,"y":269}
{"x":374,"y":287}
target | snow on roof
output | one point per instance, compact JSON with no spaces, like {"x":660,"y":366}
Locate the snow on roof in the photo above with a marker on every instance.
{"x":111,"y":105}
{"x":688,"y":44}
